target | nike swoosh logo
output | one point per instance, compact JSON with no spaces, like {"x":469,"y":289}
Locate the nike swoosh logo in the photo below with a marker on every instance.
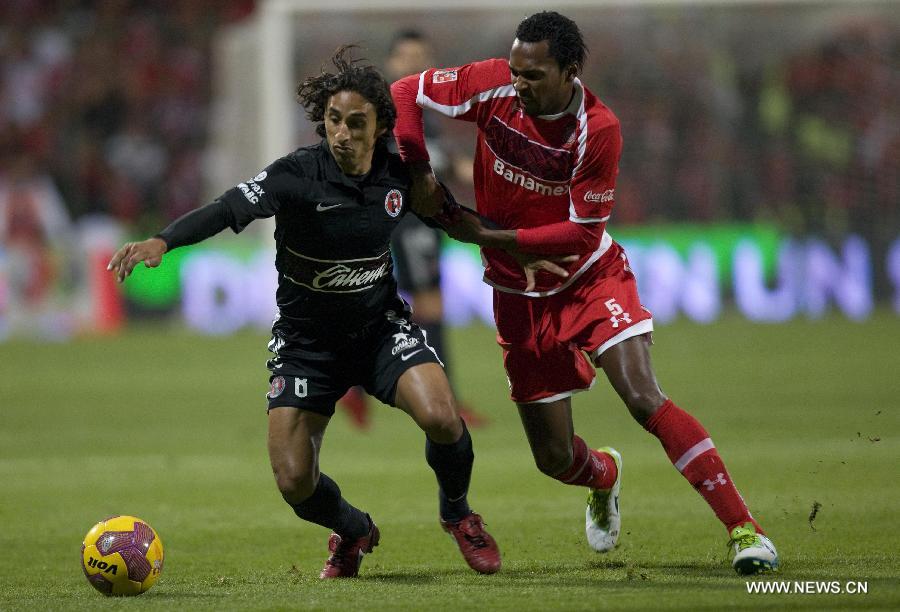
{"x":453,"y":501}
{"x":406,"y":356}
{"x":323,"y":207}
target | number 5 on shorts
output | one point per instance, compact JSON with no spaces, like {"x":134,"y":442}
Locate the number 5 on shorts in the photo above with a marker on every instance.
{"x":614,"y":309}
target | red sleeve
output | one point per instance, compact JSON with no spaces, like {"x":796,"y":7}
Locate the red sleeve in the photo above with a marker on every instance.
{"x":457,"y":92}
{"x":454,"y":92}
{"x":565,"y":238}
{"x":409,"y":129}
{"x":593,"y":186}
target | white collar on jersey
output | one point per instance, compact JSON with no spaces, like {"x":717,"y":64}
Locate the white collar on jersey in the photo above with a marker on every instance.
{"x":573,"y":107}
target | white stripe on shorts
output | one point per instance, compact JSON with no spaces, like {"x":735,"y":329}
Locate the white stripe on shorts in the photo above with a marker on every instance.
{"x":560,"y":396}
{"x":641,"y":327}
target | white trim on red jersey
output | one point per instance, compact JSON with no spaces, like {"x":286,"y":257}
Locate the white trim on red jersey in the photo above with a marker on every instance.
{"x":582,"y":117}
{"x":504,"y":91}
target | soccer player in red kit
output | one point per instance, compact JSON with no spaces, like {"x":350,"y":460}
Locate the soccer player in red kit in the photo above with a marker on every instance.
{"x":545,"y":170}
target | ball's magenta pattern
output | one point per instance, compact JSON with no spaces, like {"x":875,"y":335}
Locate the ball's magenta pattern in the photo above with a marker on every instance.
{"x":132,"y":546}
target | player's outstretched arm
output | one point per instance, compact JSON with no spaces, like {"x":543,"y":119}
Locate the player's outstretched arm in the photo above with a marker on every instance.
{"x":190,"y":228}
{"x":149,"y":251}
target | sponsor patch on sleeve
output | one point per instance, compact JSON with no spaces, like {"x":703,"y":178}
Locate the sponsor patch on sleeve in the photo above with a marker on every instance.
{"x":444,"y":76}
{"x":600,"y":196}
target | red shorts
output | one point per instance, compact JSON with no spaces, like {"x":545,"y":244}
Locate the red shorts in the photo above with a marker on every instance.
{"x":545,"y":339}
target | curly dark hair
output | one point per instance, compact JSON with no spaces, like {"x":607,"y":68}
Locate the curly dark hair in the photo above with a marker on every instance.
{"x":313,"y":93}
{"x":566,"y":43}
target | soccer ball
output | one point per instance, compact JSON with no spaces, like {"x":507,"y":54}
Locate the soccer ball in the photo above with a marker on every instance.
{"x":122,"y":555}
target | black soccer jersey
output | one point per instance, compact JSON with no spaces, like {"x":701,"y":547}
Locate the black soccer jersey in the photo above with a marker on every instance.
{"x":332,"y":234}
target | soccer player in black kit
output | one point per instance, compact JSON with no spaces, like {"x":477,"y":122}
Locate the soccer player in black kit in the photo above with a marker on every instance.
{"x":340,"y":321}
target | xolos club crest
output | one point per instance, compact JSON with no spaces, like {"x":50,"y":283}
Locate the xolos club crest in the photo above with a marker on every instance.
{"x":276,"y":387}
{"x":393,"y":202}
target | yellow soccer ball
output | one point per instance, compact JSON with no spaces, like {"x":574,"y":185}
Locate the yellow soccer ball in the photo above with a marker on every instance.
{"x":122,"y":555}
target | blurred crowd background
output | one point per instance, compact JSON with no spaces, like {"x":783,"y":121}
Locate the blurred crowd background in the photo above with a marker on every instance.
{"x":753,"y":112}
{"x":107,"y":101}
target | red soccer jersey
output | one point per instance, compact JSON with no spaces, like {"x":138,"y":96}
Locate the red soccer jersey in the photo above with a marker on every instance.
{"x":529,"y":171}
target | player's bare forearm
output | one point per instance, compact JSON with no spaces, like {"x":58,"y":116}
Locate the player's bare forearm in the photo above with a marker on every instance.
{"x":466,"y":225}
{"x":425,"y":190}
{"x":475,"y":229}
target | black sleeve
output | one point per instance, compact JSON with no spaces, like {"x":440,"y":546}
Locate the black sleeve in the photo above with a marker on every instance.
{"x":256,"y":198}
{"x":196,"y":225}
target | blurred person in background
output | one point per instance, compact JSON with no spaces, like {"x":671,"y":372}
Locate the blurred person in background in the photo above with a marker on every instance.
{"x":416,"y":246}
{"x":34,"y":232}
{"x":341,"y":321}
{"x":546,"y":164}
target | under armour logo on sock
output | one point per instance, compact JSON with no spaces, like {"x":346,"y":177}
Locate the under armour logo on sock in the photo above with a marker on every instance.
{"x":711,"y":484}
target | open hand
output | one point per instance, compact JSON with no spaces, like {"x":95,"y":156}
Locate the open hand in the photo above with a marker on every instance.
{"x":533,"y":263}
{"x":132,"y":253}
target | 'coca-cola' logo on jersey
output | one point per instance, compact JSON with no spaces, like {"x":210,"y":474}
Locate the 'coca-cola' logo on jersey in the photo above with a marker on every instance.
{"x":514,"y":148}
{"x":601,"y":196}
{"x":334,"y":276}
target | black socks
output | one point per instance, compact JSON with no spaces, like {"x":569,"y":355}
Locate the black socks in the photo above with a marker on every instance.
{"x":452,"y":465}
{"x":326,"y":507}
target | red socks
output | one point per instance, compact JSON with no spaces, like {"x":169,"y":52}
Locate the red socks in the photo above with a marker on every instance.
{"x":590,"y":468}
{"x":692,"y":452}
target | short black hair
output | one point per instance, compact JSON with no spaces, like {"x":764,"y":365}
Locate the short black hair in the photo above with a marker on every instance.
{"x":409,"y":34}
{"x":562,"y":34}
{"x":314,"y":92}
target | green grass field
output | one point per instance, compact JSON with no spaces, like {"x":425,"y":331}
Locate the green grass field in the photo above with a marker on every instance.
{"x":171,"y":427}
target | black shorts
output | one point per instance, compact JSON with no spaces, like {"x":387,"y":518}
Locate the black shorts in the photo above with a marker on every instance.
{"x":417,"y":255}
{"x":314,"y":372}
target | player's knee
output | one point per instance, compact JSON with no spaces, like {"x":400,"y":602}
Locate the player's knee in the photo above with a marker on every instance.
{"x":440,"y":422}
{"x":295,"y":483}
{"x":443,"y":429}
{"x":643,"y":404}
{"x":553,"y":459}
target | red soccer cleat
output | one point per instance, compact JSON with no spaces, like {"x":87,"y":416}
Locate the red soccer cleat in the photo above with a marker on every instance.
{"x":346,"y":555}
{"x":473,"y":419}
{"x":477,"y":546}
{"x":354,"y":401}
